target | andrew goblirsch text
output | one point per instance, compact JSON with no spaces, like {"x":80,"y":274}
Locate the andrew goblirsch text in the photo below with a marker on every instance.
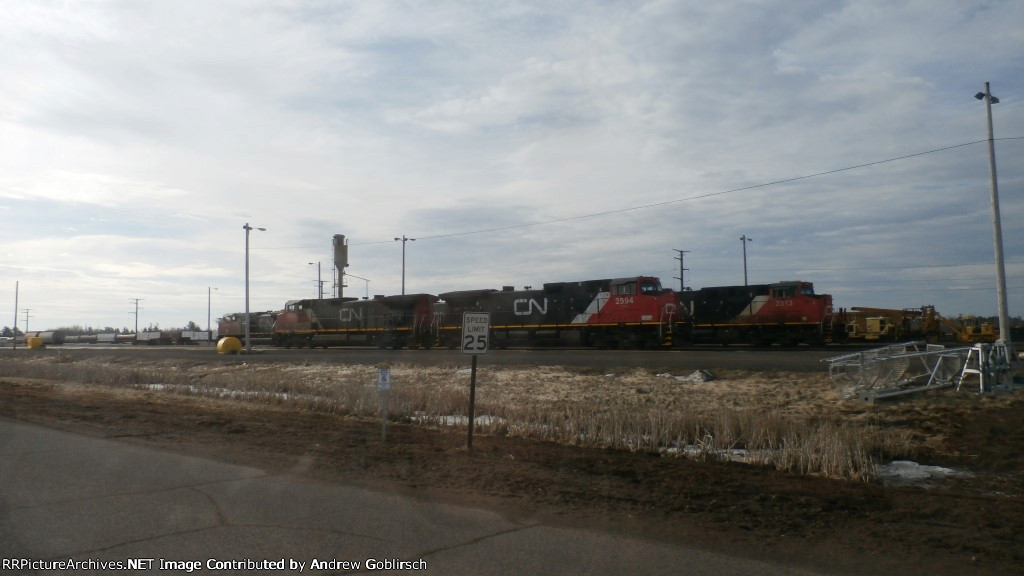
{"x":189,"y":566}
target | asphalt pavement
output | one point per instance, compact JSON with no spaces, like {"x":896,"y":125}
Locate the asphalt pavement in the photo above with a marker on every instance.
{"x":72,"y":504}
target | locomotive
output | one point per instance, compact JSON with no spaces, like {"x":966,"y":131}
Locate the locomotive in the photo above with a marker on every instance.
{"x":631,"y":312}
{"x":386,"y":322}
{"x":261,"y":325}
{"x":760,"y":314}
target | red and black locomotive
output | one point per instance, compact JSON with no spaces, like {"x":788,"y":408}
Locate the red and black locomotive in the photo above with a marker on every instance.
{"x":760,"y":314}
{"x":631,"y":312}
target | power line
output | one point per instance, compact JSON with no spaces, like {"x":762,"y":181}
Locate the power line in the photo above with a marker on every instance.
{"x":697,"y":197}
{"x":906,"y":290}
{"x":803,"y":269}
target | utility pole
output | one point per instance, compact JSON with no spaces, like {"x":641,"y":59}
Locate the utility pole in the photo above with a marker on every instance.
{"x":997,"y":230}
{"x":682,"y":284}
{"x":26,"y":311}
{"x":14,"y":339}
{"x":136,"y":302}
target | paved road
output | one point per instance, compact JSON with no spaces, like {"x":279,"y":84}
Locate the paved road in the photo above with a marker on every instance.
{"x":66,"y":497}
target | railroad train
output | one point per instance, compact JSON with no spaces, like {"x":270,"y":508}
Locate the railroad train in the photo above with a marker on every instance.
{"x":58,"y":337}
{"x":634,"y":312}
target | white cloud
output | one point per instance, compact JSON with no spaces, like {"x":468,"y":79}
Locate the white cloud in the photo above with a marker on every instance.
{"x":136,"y":139}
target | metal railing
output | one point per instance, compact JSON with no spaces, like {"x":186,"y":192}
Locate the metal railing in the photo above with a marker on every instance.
{"x":896,"y":369}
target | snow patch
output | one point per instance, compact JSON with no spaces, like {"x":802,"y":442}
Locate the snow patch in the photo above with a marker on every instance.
{"x":907,"y":473}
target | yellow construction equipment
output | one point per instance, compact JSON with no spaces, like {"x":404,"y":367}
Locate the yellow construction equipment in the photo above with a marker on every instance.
{"x":885,"y":324}
{"x":894,"y":325}
{"x":970,"y":329}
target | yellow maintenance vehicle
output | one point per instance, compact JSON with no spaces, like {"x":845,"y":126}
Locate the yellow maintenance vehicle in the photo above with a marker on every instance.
{"x":885,"y":324}
{"x":970,"y":329}
{"x":924,"y":323}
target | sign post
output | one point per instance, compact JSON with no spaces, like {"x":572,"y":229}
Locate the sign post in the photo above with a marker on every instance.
{"x":383,"y":385}
{"x":476,"y":327}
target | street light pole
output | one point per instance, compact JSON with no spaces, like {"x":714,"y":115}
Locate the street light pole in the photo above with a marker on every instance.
{"x":997,"y":230}
{"x":744,"y":239}
{"x":319,"y":282}
{"x":403,"y":239}
{"x":248,"y":341}
{"x":209,"y":330}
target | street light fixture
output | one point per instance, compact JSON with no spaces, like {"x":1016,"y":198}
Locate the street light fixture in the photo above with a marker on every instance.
{"x":403,"y":239}
{"x":248,"y":341}
{"x":319,"y":282}
{"x":744,"y":239}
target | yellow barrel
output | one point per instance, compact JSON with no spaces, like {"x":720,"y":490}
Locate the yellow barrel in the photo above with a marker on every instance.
{"x":34,"y":342}
{"x":229,"y":345}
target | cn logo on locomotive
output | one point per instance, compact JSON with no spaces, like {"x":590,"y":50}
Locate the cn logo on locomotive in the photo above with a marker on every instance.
{"x":525,"y":306}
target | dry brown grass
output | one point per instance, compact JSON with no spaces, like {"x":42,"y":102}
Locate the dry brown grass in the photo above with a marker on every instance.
{"x":789,"y":421}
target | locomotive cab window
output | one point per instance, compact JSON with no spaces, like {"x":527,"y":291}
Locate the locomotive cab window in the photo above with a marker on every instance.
{"x":649,"y":287}
{"x":807,"y":289}
{"x":785,"y":292}
{"x":626,"y":288}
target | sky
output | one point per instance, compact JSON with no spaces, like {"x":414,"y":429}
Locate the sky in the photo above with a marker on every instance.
{"x":519,"y":143}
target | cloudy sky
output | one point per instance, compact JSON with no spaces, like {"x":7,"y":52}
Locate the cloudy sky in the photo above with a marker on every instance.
{"x":518,"y":142}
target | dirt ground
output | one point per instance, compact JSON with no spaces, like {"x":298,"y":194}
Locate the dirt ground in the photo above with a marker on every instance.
{"x":956,"y":526}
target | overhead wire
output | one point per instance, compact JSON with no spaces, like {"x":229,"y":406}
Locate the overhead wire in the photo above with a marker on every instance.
{"x":690,"y":198}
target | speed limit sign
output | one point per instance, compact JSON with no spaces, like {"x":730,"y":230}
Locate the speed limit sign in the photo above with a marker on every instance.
{"x":475,"y":329}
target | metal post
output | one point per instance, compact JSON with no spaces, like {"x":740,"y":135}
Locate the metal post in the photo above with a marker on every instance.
{"x":14,"y":339}
{"x":319,"y":282}
{"x":744,"y":239}
{"x":384,"y":387}
{"x":472,"y":404}
{"x":248,"y":341}
{"x":209,"y":329}
{"x":403,"y":239}
{"x":997,"y":231}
